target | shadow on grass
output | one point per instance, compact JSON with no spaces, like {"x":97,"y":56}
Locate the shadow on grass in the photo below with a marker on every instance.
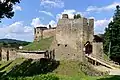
{"x":5,"y":66}
{"x":111,"y":78}
{"x":33,"y":67}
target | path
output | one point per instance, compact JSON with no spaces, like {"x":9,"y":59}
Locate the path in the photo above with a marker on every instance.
{"x":105,"y":66}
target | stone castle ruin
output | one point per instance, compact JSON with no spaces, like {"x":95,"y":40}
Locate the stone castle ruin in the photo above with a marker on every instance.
{"x":43,"y":32}
{"x":71,"y":36}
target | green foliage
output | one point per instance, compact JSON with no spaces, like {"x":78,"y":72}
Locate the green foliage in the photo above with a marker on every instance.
{"x":112,"y":36}
{"x":43,"y":44}
{"x":77,"y":16}
{"x":39,"y":77}
{"x":6,"y":8}
{"x":12,"y":43}
{"x":28,"y":69}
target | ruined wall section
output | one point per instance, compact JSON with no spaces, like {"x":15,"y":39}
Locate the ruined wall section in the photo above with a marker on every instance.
{"x":39,"y":34}
{"x":85,"y":30}
{"x":98,"y":49}
{"x":12,"y":54}
{"x":48,"y":33}
{"x":91,"y":29}
{"x":69,"y":31}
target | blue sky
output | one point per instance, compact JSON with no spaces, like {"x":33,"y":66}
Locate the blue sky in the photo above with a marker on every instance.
{"x":33,"y":13}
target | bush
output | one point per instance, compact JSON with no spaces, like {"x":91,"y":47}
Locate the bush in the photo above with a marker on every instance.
{"x":39,"y":77}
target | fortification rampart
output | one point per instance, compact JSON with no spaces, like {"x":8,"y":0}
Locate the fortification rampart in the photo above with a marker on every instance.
{"x":43,"y":32}
{"x":74,"y":33}
{"x":71,"y":36}
{"x":98,"y":49}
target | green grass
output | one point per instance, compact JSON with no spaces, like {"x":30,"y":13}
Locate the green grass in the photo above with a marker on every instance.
{"x":40,"y":45}
{"x":67,"y":70}
{"x":61,"y":77}
{"x":106,"y":57}
{"x":15,"y":62}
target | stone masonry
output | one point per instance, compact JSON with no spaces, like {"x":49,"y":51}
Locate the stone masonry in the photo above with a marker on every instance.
{"x":74,"y":33}
{"x":70,"y":37}
{"x":43,"y":32}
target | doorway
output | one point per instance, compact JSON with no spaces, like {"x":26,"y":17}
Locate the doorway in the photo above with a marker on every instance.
{"x":88,"y":48}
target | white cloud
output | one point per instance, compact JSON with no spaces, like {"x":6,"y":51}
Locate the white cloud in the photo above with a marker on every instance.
{"x":92,"y":18}
{"x":17,"y":8}
{"x":100,"y":25}
{"x":52,"y":3}
{"x":47,"y":13}
{"x":70,"y":13}
{"x":35,"y":22}
{"x":104,"y":8}
{"x":17,"y":30}
{"x":53,"y":23}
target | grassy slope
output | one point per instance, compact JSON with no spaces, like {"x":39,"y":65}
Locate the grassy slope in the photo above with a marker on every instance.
{"x":41,"y":45}
{"x":67,"y":70}
{"x":7,"y":66}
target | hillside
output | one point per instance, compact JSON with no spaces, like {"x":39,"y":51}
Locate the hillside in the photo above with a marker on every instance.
{"x":40,"y":45}
{"x":11,"y":40}
{"x":43,"y":69}
{"x":12,"y":43}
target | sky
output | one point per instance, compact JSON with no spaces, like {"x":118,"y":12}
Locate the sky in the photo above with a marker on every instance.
{"x":33,"y":13}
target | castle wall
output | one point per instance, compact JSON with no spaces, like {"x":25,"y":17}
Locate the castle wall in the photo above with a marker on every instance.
{"x":48,"y":33}
{"x":69,"y":31}
{"x":10,"y":53}
{"x":91,"y":29}
{"x":38,"y":33}
{"x":74,"y":33}
{"x":97,"y":49}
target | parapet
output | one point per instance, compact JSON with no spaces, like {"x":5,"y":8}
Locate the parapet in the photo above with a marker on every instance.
{"x":65,"y":16}
{"x":42,"y":28}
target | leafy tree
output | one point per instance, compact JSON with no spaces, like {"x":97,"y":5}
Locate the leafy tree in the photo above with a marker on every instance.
{"x":77,"y":16}
{"x":112,"y":37}
{"x":6,"y":8}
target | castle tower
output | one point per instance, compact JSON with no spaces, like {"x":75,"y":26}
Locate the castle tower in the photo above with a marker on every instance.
{"x":74,"y":33}
{"x":38,"y":33}
{"x":91,"y":29}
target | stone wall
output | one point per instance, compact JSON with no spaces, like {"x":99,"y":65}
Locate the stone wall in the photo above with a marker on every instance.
{"x":9,"y":54}
{"x":98,"y":49}
{"x":74,"y":33}
{"x":91,"y":29}
{"x":46,"y":33}
{"x":30,"y":55}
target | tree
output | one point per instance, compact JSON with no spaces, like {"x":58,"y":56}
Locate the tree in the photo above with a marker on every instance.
{"x":77,"y":16}
{"x":112,"y":37}
{"x":6,"y":8}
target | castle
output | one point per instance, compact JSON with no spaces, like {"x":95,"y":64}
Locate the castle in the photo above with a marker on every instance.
{"x":70,"y":37}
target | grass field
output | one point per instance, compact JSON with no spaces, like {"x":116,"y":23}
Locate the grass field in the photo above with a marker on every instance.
{"x":28,"y":69}
{"x":43,"y":44}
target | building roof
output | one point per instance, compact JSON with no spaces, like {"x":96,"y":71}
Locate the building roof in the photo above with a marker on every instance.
{"x":42,"y":28}
{"x":98,"y":38}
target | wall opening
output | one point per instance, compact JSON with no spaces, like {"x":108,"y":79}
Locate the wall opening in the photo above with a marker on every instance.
{"x":65,"y":45}
{"x":58,"y":44}
{"x":88,"y":48}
